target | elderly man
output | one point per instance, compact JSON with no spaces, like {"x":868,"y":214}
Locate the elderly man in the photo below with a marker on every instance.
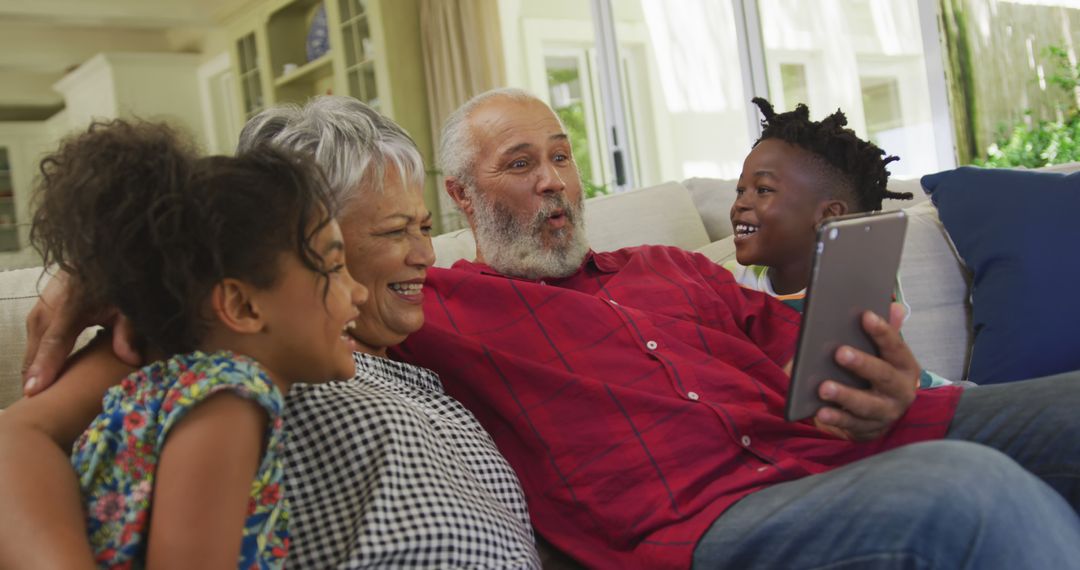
{"x":639,"y":396}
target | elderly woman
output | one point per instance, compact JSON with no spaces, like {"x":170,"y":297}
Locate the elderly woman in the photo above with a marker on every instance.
{"x":383,"y":470}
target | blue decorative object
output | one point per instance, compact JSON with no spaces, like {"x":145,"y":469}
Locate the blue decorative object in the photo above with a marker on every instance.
{"x":318,"y":37}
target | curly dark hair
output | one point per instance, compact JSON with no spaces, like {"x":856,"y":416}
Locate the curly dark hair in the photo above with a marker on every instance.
{"x":860,"y":164}
{"x":141,"y":223}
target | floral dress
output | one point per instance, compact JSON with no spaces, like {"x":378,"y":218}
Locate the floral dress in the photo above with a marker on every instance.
{"x":116,"y":457}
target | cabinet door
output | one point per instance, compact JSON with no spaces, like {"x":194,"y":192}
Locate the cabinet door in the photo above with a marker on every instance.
{"x":9,"y":235}
{"x":249,"y":53}
{"x":358,"y":50}
{"x":301,"y":51}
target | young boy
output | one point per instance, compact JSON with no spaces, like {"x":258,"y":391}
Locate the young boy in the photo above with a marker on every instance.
{"x":799,"y":173}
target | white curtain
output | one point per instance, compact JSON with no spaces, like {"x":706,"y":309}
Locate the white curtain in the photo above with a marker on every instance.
{"x":463,"y":56}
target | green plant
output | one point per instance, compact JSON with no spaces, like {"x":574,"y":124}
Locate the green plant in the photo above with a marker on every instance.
{"x":1040,"y":143}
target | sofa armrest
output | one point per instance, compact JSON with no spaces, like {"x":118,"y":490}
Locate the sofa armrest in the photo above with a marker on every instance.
{"x":18,"y":293}
{"x":720,"y":251}
{"x":19,"y":290}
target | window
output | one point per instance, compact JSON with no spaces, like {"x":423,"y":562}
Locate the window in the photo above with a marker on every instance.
{"x":864,"y":57}
{"x":793,"y":85}
{"x":683,"y":82}
{"x":570,"y":91}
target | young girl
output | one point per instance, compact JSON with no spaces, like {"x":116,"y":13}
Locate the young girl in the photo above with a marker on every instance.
{"x":799,"y":173}
{"x":231,"y":271}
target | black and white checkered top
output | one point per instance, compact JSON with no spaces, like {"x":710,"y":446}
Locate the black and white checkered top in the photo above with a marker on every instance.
{"x":386,"y":470}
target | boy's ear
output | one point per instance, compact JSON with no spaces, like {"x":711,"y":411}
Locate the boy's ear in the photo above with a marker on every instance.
{"x":235,"y":306}
{"x":831,"y":209}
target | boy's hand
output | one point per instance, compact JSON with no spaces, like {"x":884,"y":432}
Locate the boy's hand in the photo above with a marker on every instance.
{"x":867,"y":414}
{"x":52,"y":327}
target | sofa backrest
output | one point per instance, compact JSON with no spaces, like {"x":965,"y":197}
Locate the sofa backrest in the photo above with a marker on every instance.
{"x":713,"y":198}
{"x":661,"y":214}
{"x":934,"y":285}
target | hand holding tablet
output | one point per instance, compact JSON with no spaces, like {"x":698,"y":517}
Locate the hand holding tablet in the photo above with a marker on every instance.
{"x":854,"y":270}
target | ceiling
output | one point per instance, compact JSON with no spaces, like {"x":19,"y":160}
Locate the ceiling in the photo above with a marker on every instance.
{"x":40,"y":40}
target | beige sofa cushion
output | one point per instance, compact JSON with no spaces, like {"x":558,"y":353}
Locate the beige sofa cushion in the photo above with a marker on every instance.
{"x":662,"y":214}
{"x":450,"y":247}
{"x":18,"y":293}
{"x":713,"y":198}
{"x":720,"y":252}
{"x":935,"y":285}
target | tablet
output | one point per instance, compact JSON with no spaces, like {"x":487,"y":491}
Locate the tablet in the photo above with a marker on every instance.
{"x":854,"y":270}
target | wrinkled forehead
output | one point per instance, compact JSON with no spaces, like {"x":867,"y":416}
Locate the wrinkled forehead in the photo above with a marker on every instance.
{"x":502,"y":124}
{"x":370,"y":211}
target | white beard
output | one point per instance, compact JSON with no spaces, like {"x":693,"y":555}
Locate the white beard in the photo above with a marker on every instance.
{"x":516,"y":247}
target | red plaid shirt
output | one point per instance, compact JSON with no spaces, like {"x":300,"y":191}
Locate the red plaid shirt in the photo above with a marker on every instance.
{"x":636,"y":399}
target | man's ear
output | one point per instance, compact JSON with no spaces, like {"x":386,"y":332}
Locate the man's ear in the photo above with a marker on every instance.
{"x":456,"y":190}
{"x":235,"y":306}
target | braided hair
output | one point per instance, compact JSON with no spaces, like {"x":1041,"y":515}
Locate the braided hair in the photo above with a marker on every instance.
{"x":860,"y":164}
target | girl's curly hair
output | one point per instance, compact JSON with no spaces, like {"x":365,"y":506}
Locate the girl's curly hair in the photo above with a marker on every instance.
{"x":861,"y":164}
{"x":141,"y":223}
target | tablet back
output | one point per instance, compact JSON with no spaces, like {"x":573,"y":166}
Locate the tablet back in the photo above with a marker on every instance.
{"x":854,"y":270}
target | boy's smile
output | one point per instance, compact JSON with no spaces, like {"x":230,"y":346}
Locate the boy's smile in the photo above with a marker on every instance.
{"x":743,"y":231}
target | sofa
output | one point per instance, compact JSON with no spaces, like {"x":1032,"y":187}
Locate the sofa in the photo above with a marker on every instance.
{"x":692,"y":214}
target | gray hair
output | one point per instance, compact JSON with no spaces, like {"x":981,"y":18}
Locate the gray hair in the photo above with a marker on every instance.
{"x":457,"y":145}
{"x":350,"y":141}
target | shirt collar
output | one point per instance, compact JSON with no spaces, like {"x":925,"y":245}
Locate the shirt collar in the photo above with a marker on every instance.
{"x":604,"y":262}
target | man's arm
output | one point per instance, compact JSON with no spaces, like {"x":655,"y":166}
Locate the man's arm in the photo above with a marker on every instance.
{"x":42,"y":524}
{"x":868,"y":414}
{"x":53,"y":325}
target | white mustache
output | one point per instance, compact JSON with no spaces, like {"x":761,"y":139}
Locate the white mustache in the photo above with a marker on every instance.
{"x":550,"y":205}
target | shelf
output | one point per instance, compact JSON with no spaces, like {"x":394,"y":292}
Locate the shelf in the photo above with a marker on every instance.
{"x":313,"y":70}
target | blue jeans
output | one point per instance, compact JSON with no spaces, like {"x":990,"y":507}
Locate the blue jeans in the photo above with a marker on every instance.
{"x":989,"y":496}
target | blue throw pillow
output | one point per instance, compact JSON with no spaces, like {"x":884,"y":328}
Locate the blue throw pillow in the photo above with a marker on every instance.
{"x":1019,"y":234}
